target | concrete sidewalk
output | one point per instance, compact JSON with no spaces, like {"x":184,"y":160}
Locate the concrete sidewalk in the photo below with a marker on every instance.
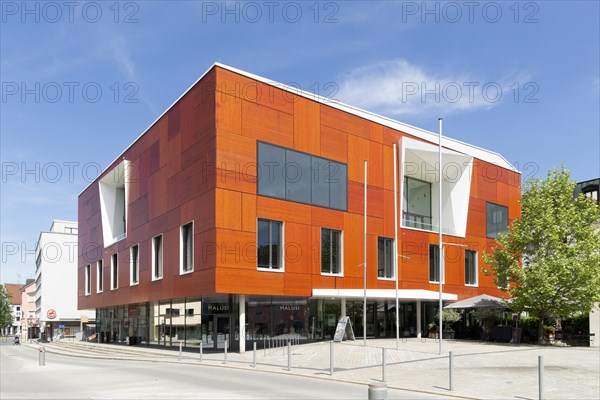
{"x":481,"y":370}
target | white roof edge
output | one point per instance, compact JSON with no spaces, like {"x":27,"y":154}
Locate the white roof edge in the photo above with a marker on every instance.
{"x":478,"y":152}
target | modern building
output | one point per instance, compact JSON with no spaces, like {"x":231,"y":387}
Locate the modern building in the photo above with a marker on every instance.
{"x":56,"y":282}
{"x":591,"y":189}
{"x":30,"y":326}
{"x":239,"y":215}
{"x":14,"y":292}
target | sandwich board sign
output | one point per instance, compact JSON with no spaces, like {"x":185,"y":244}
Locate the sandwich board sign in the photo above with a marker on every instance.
{"x":343,"y":330}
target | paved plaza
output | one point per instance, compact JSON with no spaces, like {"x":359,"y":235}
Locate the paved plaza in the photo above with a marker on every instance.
{"x":481,"y":370}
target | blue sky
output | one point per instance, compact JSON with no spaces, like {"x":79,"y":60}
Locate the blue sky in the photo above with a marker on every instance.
{"x":80,"y":82}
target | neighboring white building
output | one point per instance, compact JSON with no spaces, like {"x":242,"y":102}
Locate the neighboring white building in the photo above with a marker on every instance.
{"x":56,"y":282}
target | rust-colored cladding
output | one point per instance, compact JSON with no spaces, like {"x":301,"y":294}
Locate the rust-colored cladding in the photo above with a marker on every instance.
{"x":198,"y":162}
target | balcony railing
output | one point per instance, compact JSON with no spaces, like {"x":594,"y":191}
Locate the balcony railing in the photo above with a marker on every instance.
{"x":424,"y":222}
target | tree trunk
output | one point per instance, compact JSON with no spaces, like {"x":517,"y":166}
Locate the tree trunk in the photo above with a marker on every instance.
{"x":541,"y":330}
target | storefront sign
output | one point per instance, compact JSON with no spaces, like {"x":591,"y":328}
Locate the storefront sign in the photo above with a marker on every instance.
{"x":51,"y":314}
{"x":217,"y":308}
{"x":289,"y":308}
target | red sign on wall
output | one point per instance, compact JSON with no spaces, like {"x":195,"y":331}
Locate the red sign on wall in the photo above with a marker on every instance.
{"x":51,"y":314}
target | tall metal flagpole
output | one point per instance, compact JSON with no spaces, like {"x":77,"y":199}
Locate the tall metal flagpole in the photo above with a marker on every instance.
{"x":365,"y":264}
{"x":441,"y":245}
{"x":396,"y":245}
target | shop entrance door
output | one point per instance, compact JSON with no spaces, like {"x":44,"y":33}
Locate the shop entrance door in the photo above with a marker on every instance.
{"x":217,"y":333}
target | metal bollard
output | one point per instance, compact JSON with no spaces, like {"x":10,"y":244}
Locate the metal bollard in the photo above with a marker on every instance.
{"x":383,"y":364}
{"x":451,"y":370}
{"x":254,"y":355}
{"x":377,"y":391}
{"x":201,"y":351}
{"x":42,"y":356}
{"x":331,"y":358}
{"x":180,"y":349}
{"x":541,"y":377}
{"x":289,"y":356}
{"x":225,"y":353}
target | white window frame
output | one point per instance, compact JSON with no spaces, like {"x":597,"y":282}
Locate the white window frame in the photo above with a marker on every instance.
{"x":476,"y":284}
{"x":99,"y":276}
{"x":443,"y":263}
{"x":341,"y":273}
{"x":181,"y":244}
{"x":131,"y":265}
{"x":383,"y":278}
{"x":282,"y":234}
{"x":88,"y":279}
{"x":162,"y":265}
{"x":114,"y":280}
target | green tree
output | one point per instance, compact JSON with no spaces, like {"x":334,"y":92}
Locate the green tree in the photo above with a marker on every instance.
{"x":6,"y":316}
{"x":549,"y":261}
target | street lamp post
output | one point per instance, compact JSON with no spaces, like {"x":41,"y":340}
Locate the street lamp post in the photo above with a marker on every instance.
{"x":365,"y":264}
{"x":441,"y":246}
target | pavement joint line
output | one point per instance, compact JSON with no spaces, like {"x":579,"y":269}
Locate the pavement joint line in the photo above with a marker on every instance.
{"x":219,"y":364}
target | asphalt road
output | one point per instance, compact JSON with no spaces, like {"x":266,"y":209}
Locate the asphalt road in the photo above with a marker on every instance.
{"x":66,"y":377}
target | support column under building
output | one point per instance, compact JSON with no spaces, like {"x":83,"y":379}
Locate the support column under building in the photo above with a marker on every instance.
{"x":343,"y":307}
{"x":419,"y":319}
{"x":242,"y":308}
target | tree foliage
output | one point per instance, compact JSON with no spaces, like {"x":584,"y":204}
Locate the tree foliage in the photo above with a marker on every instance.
{"x":6,"y":316}
{"x":549,"y":261}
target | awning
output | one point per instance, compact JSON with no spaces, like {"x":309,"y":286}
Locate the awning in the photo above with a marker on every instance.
{"x":403,"y":294}
{"x":481,"y":301}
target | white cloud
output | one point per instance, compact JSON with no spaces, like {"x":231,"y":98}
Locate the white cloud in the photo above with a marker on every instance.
{"x":397,"y":87}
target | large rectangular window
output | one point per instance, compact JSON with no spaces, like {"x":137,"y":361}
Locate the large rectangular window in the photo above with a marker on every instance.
{"x":331,"y":251}
{"x":434,"y":263}
{"x":385,"y":260}
{"x":416,"y":207}
{"x":88,"y":279}
{"x":471,"y":267}
{"x":296,"y":176}
{"x":114,"y":271}
{"x":134,"y":260}
{"x":270,"y":244}
{"x":99,"y":276}
{"x":187,"y":248}
{"x":157,"y":257}
{"x":496,"y":217}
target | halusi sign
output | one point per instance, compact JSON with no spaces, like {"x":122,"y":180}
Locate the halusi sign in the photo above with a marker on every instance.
{"x":216,"y":308}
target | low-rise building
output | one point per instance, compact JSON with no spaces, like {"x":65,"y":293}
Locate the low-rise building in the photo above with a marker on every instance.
{"x":56,"y":282}
{"x":30,"y":326}
{"x":14,"y":293}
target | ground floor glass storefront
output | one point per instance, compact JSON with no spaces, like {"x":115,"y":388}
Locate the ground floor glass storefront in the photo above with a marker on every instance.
{"x":214,"y":321}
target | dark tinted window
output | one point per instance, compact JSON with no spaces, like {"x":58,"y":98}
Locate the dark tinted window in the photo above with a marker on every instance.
{"x":292,"y":175}
{"x":496,"y":220}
